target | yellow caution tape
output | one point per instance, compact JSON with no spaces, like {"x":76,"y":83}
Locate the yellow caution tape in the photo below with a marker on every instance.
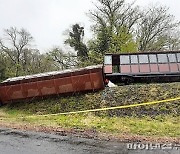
{"x":117,"y":107}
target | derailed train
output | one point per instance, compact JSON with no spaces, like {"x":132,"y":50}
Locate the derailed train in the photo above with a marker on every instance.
{"x":51,"y":83}
{"x":132,"y":67}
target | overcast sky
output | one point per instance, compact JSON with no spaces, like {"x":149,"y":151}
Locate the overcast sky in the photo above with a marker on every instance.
{"x":47,"y":20}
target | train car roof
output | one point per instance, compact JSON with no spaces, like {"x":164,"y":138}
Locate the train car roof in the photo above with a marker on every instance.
{"x":47,"y":74}
{"x":146,"y":52}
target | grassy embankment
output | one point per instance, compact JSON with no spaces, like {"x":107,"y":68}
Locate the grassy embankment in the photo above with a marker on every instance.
{"x":154,"y":120}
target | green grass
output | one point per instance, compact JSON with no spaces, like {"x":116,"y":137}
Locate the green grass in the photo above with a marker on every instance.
{"x":168,"y":126}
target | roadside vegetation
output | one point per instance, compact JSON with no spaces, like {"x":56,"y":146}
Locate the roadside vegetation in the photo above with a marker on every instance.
{"x":160,"y":126}
{"x":154,"y":120}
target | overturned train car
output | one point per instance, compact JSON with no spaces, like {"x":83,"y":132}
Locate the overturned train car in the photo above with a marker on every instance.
{"x":143,"y":67}
{"x":51,"y":83}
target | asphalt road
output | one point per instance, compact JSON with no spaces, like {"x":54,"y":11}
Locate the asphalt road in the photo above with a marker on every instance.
{"x":25,"y":142}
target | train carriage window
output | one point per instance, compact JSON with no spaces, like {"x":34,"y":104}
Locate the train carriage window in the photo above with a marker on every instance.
{"x":178,"y":57}
{"x":162,"y":58}
{"x":143,"y":59}
{"x":108,"y":60}
{"x":172,"y":57}
{"x":124,"y":59}
{"x":134,"y":59}
{"x":152,"y":58}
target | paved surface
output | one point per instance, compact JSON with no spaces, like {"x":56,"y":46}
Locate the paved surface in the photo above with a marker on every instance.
{"x":24,"y":142}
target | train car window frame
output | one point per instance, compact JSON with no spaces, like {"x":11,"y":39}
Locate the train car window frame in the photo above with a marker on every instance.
{"x":153,"y":59}
{"x":124,"y":59}
{"x":108,"y":59}
{"x":162,"y":58}
{"x":134,"y":59}
{"x":178,"y":57}
{"x":143,"y":59}
{"x":172,"y":57}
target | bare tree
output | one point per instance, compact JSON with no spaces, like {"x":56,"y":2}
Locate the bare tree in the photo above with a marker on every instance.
{"x":14,"y":44}
{"x":153,"y":27}
{"x":2,"y":66}
{"x":114,"y":13}
{"x":63,"y":60}
{"x":173,"y":41}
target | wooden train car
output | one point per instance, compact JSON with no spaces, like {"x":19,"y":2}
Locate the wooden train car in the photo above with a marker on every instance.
{"x":51,"y":83}
{"x":143,"y":67}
